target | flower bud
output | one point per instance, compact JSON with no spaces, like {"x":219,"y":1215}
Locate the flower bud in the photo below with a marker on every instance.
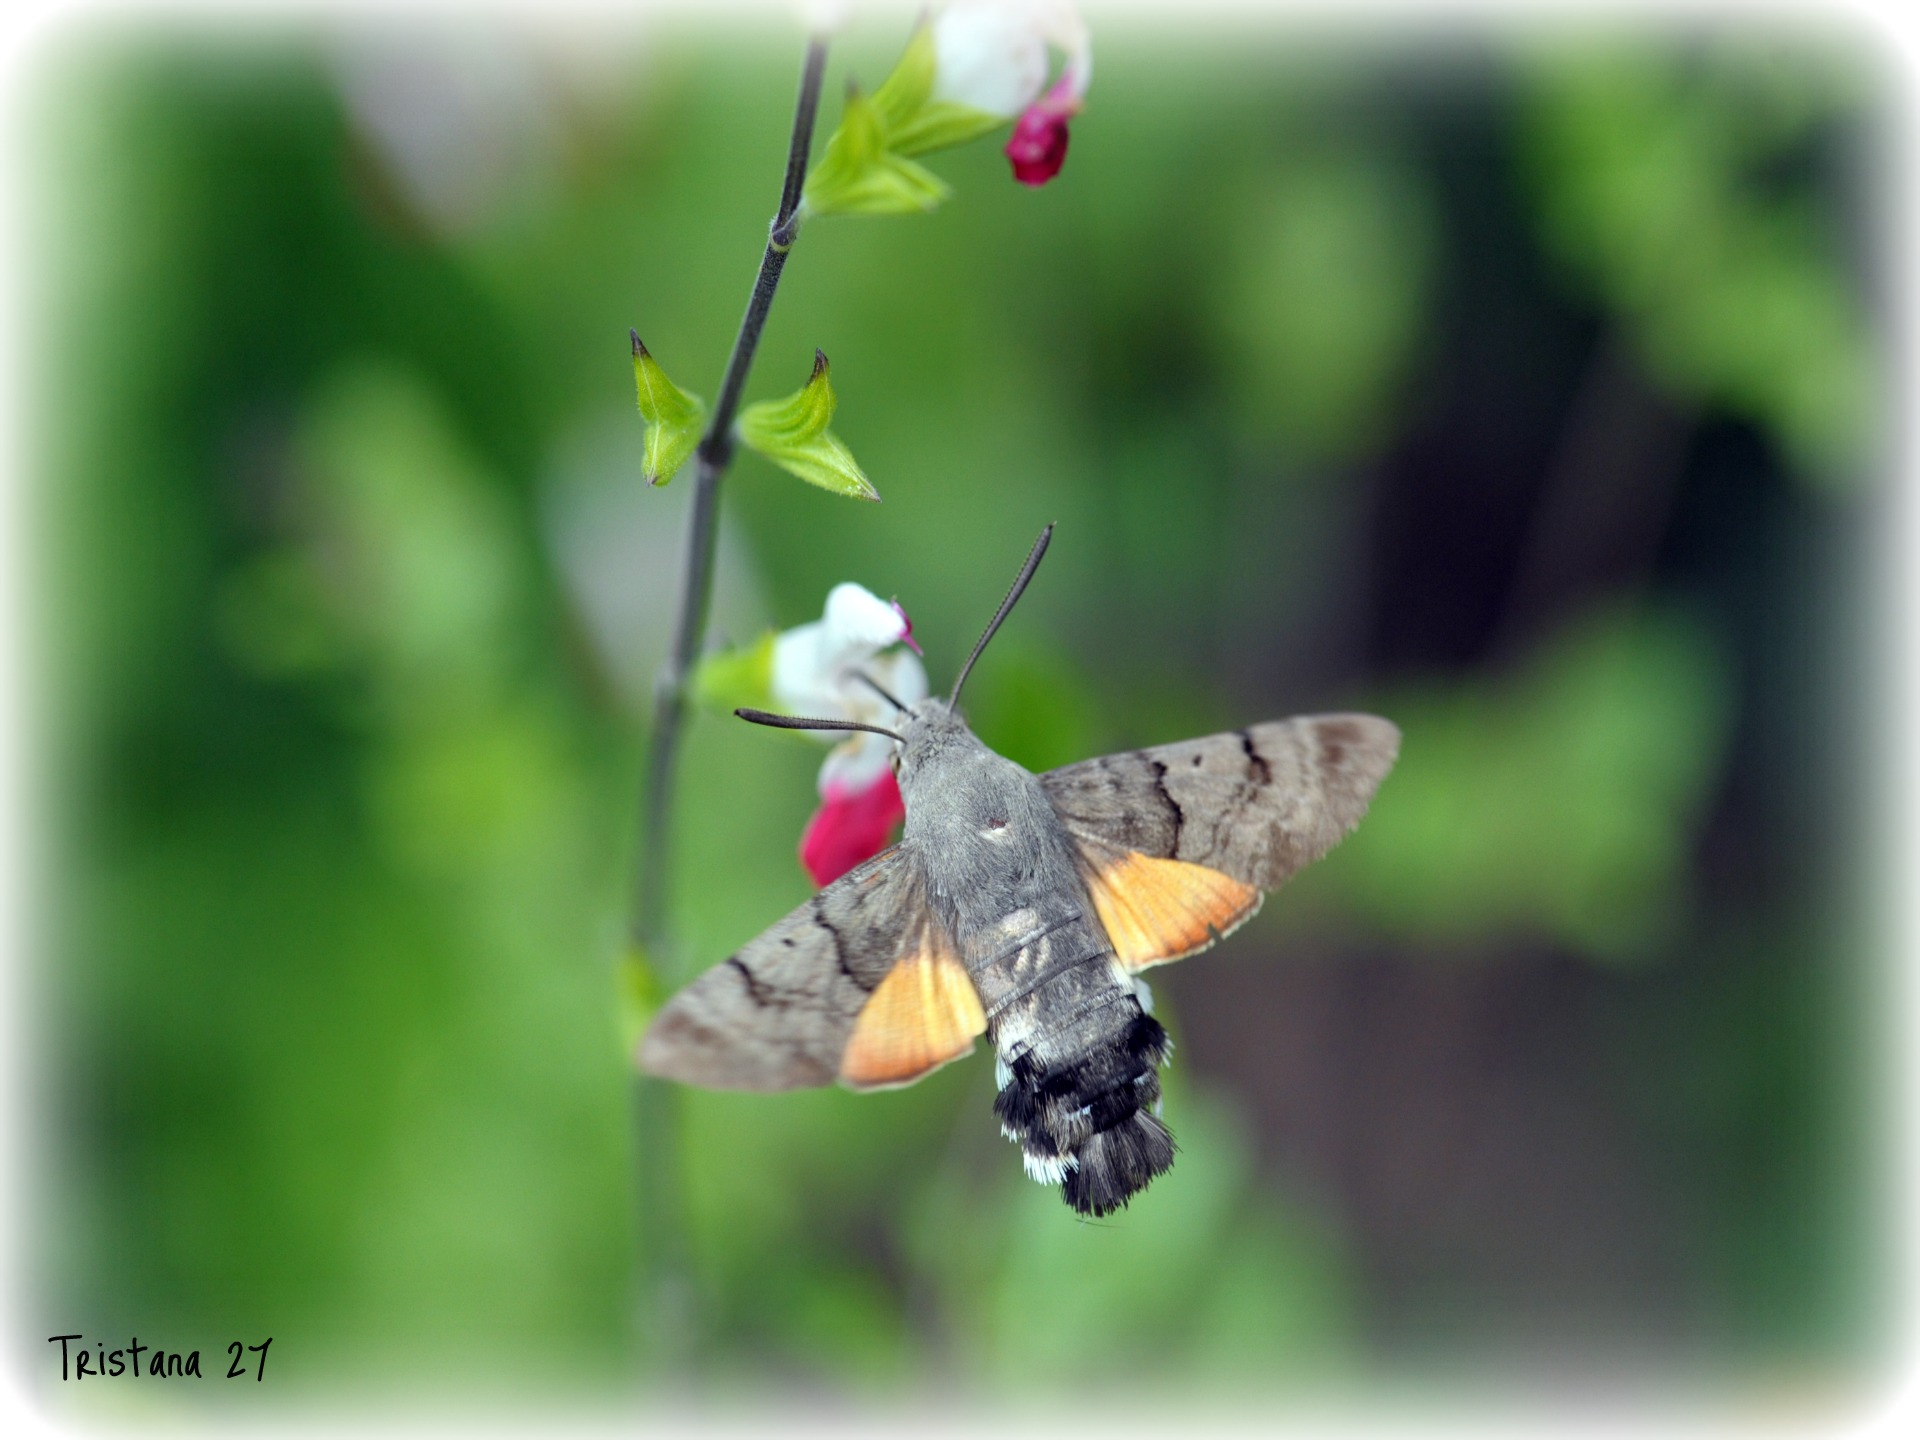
{"x":674,"y":419}
{"x":970,"y":68}
{"x":793,"y":434}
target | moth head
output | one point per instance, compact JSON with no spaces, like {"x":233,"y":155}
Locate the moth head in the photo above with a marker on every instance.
{"x":931,"y":727}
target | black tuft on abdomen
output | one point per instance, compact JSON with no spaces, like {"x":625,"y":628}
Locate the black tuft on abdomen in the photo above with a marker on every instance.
{"x":1092,"y":1115}
{"x":1116,"y":1164}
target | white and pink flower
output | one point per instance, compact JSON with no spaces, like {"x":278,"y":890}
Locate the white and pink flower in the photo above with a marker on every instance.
{"x":815,"y":672}
{"x":992,"y":56}
{"x":970,"y":67}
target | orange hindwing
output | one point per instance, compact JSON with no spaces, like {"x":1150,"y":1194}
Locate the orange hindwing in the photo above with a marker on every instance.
{"x":1160,"y":910}
{"x":923,"y":1014}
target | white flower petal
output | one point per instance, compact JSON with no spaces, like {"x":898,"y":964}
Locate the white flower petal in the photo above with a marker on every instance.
{"x":858,"y":622}
{"x":1068,"y":33}
{"x":903,"y":674}
{"x":815,"y":665}
{"x":856,"y":763}
{"x":799,"y":685}
{"x":989,"y":54}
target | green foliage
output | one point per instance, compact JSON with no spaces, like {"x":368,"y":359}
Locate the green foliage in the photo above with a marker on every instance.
{"x":371,"y":1107}
{"x":1556,"y":802}
{"x":859,"y":174}
{"x":730,"y":679}
{"x":1669,"y":177}
{"x":867,"y":169}
{"x":911,"y":119}
{"x":674,"y":418}
{"x":1186,"y":1286}
{"x":793,"y":434}
{"x":1324,"y":296}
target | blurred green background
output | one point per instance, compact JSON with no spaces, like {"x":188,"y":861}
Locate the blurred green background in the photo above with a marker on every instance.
{"x":1524,"y":389}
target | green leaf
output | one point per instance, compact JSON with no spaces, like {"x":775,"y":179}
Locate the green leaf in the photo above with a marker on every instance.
{"x":674,"y":418}
{"x":912,"y":122}
{"x":941,"y":125}
{"x":793,"y":434}
{"x":729,"y":679}
{"x":861,"y":175}
{"x":904,"y":93}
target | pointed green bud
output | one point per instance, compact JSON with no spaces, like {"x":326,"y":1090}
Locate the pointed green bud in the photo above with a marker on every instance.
{"x":674,"y":418}
{"x":793,"y":434}
{"x":911,"y":120}
{"x":860,"y":175}
{"x":728,"y":680}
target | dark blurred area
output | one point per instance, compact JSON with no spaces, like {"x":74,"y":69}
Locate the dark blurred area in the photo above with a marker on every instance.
{"x":1527,"y":391}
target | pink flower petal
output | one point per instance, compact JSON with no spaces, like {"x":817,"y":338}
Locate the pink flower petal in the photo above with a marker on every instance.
{"x":906,"y":636}
{"x":850,"y":826}
{"x":1038,"y":145}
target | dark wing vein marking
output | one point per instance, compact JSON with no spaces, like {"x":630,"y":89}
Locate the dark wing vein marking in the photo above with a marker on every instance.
{"x":1262,"y":771}
{"x":777,"y":1014}
{"x":1255,"y":804}
{"x":839,"y":945}
{"x":1173,"y":805}
{"x":755,"y":990}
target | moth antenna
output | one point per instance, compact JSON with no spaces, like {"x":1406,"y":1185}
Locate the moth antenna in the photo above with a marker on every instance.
{"x":1006,"y":608}
{"x":879,"y":690}
{"x":797,"y":722}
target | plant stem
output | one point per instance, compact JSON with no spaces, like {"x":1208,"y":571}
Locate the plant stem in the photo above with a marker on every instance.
{"x":710,"y":464}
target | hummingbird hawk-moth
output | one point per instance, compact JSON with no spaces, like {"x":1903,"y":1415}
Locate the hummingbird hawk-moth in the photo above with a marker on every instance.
{"x":1023,"y":907}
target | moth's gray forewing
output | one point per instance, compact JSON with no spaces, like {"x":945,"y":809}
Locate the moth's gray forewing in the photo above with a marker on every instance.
{"x":1256,"y":804}
{"x":776,"y":1014}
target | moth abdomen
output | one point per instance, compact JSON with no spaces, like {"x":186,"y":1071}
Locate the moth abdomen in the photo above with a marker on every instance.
{"x":1116,"y":1164}
{"x":1085,"y":1121}
{"x":1112,"y":1108}
{"x":1146,"y":1040}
